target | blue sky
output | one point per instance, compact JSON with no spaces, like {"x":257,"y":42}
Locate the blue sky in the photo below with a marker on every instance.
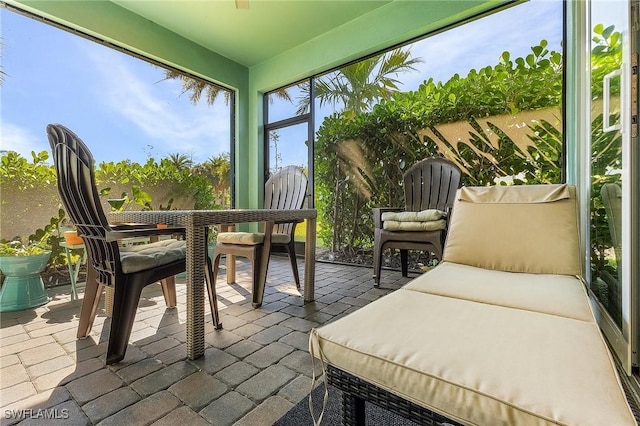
{"x":121,"y":107}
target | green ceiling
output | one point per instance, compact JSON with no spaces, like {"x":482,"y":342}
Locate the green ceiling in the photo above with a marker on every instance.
{"x":249,"y":36}
{"x":270,"y":42}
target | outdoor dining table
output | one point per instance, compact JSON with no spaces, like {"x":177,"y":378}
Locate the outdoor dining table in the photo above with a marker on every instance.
{"x":195,"y":223}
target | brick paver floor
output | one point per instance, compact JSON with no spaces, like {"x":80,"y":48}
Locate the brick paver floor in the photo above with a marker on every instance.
{"x":253,"y":371}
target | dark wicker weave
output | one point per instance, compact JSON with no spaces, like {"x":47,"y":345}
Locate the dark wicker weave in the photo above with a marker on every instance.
{"x":356,"y":391}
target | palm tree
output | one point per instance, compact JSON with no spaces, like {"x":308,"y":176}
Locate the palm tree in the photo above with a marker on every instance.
{"x":180,"y":161}
{"x":218,"y":170}
{"x":361,"y":85}
{"x":195,"y":88}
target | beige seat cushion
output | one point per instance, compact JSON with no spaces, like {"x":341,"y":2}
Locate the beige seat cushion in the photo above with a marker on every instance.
{"x":250,"y":238}
{"x":432,"y":225}
{"x":421,"y":216}
{"x":139,"y":257}
{"x":561,"y":295}
{"x":530,"y":228}
{"x":479,"y":364}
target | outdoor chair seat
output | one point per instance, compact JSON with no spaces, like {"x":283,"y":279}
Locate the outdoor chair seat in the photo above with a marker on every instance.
{"x":251,"y":238}
{"x":430,"y":225}
{"x":139,"y":257}
{"x":429,"y":188}
{"x":286,"y":189}
{"x":501,"y":332}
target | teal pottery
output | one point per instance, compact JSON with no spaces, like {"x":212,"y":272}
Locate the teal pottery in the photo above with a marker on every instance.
{"x":23,"y":287}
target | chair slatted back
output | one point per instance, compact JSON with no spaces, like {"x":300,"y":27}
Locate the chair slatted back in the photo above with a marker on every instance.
{"x":286,"y":189}
{"x":76,"y":186}
{"x":431,"y":184}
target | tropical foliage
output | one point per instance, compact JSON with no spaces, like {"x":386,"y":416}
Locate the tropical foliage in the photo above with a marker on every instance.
{"x":360,"y":158}
{"x":359,"y":86}
{"x":204,"y":184}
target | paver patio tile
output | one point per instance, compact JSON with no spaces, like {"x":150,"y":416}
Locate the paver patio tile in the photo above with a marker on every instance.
{"x":17,"y":392}
{"x":320,"y":317}
{"x":17,"y":348}
{"x":52,"y":329}
{"x":175,"y":354}
{"x":248,"y":330}
{"x":265,"y":383}
{"x":68,"y":413}
{"x":227,"y":409}
{"x":214,"y":360}
{"x":91,"y":351}
{"x":16,"y":338}
{"x":159,"y":346}
{"x":198,"y":390}
{"x":83,"y":368}
{"x":299,"y":361}
{"x":8,"y":330}
{"x":8,"y":360}
{"x":110,"y":403}
{"x":266,"y":413}
{"x":183,"y":415}
{"x":133,"y":355}
{"x":13,"y":375}
{"x":237,"y":373}
{"x":270,"y":335}
{"x":271,"y":319}
{"x":221,"y":338}
{"x":53,"y":379}
{"x":297,"y":340}
{"x":33,"y":356}
{"x":94,"y":385}
{"x":142,"y":368}
{"x":49,"y":366}
{"x":40,"y":401}
{"x":269,"y":355}
{"x":163,"y":378}
{"x":335,"y":308}
{"x":229,"y":322}
{"x":297,"y":389}
{"x":299,"y":324}
{"x":144,"y":412}
{"x":243,"y":348}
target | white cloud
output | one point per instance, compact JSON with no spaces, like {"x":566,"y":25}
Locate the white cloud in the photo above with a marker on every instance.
{"x":173,"y":124}
{"x":19,"y":139}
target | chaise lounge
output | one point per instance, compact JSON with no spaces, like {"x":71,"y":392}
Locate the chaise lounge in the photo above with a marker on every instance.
{"x":500,"y":333}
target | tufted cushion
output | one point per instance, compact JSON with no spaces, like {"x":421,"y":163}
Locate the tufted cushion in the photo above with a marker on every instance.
{"x":139,"y":257}
{"x":421,"y":216}
{"x":537,"y":230}
{"x":432,"y":225}
{"x":250,"y":238}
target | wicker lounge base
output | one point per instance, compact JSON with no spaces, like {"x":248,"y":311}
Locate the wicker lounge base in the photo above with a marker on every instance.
{"x":356,"y":391}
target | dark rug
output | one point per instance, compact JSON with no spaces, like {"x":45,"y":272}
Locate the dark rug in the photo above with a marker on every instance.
{"x":300,"y":415}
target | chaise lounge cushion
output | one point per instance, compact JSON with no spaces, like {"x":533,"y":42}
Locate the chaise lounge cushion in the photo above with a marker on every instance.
{"x":560,"y":295}
{"x":529,"y":229}
{"x":478,"y":363}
